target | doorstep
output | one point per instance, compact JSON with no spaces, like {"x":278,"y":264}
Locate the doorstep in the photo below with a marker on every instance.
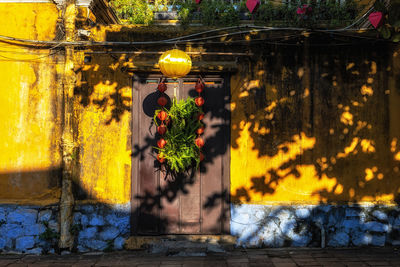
{"x":143,"y":242}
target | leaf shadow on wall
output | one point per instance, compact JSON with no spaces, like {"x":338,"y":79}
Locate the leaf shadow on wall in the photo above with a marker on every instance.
{"x":318,"y":117}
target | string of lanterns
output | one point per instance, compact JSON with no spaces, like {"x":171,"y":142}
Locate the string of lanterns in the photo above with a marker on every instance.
{"x":163,"y":117}
{"x":199,"y":87}
{"x":175,"y":64}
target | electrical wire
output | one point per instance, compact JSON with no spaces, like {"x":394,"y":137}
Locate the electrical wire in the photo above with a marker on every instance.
{"x":176,"y":40}
{"x":27,"y":60}
{"x":184,"y":39}
{"x":354,"y":23}
{"x":284,"y":37}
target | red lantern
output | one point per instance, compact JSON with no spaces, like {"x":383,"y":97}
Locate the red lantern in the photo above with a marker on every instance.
{"x":200,"y":130}
{"x":252,"y":5}
{"x":162,"y":115}
{"x":200,"y":116}
{"x":199,"y":142}
{"x":162,"y":129}
{"x":376,"y":19}
{"x":160,"y":158}
{"x":162,"y":87}
{"x":199,"y":101}
{"x":199,"y":87}
{"x":161,"y":143}
{"x":162,"y":101}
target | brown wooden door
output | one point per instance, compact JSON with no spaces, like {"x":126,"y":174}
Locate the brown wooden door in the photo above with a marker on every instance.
{"x":194,"y":203}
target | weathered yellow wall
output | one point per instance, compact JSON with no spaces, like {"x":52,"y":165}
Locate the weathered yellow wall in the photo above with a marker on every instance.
{"x":29,"y":107}
{"x":305,"y":129}
{"x":104,"y":95}
{"x":318,"y":130}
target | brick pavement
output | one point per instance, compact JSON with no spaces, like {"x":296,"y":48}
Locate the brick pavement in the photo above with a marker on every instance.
{"x":240,"y":257}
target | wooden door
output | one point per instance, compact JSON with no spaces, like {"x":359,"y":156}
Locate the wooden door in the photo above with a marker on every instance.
{"x":194,"y":203}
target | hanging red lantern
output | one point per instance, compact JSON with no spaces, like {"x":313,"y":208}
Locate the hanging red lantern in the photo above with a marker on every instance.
{"x":201,"y":156}
{"x":199,"y":101}
{"x":199,"y":87}
{"x":162,"y":129}
{"x":200,"y":130}
{"x":162,"y":101}
{"x":376,"y":19}
{"x":200,"y":116}
{"x":160,"y":158}
{"x":199,"y":142}
{"x":252,"y":5}
{"x":162,"y":87}
{"x":161,"y":143}
{"x":162,"y":115}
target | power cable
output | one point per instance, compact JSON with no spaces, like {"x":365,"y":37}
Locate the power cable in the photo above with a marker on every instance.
{"x":184,"y":39}
{"x":28,"y":60}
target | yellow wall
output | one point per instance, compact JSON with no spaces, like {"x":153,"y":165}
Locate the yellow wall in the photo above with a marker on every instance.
{"x":104,"y":96}
{"x":306,"y":131}
{"x":29,"y":107}
{"x":318,"y":131}
{"x":31,"y":113}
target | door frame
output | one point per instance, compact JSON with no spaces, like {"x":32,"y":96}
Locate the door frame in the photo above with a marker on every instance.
{"x":226,"y":158}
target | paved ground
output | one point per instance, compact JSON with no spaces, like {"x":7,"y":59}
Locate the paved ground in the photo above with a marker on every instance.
{"x":239,"y":257}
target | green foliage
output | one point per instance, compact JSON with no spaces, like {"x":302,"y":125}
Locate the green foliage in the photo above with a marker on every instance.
{"x":213,"y":13}
{"x":49,"y":234}
{"x":224,"y":13}
{"x":268,"y":13}
{"x":181,"y":152}
{"x":325,"y":12}
{"x":185,"y":13}
{"x":218,"y":13}
{"x":134,"y":11}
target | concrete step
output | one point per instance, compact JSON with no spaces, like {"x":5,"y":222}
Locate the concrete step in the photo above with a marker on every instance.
{"x":182,"y":245}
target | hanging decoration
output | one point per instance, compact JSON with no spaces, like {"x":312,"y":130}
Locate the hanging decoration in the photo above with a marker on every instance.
{"x":252,"y":5}
{"x":162,"y":115}
{"x":199,"y":87}
{"x":175,"y":63}
{"x":180,"y":143}
{"x":376,"y":19}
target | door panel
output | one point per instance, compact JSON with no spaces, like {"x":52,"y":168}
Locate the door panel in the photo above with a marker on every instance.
{"x":162,"y":205}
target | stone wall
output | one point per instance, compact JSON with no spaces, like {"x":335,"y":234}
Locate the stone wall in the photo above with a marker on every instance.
{"x":315,"y":225}
{"x":101,"y":227}
{"x":35,"y":230}
{"x":28,"y":229}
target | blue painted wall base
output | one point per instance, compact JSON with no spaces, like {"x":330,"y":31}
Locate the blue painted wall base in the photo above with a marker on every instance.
{"x":35,"y":230}
{"x":315,"y":226}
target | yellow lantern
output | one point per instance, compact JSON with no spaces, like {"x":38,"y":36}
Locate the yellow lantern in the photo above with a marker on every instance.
{"x":175,"y":63}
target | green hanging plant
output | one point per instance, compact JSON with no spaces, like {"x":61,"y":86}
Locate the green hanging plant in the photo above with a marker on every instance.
{"x":180,"y":151}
